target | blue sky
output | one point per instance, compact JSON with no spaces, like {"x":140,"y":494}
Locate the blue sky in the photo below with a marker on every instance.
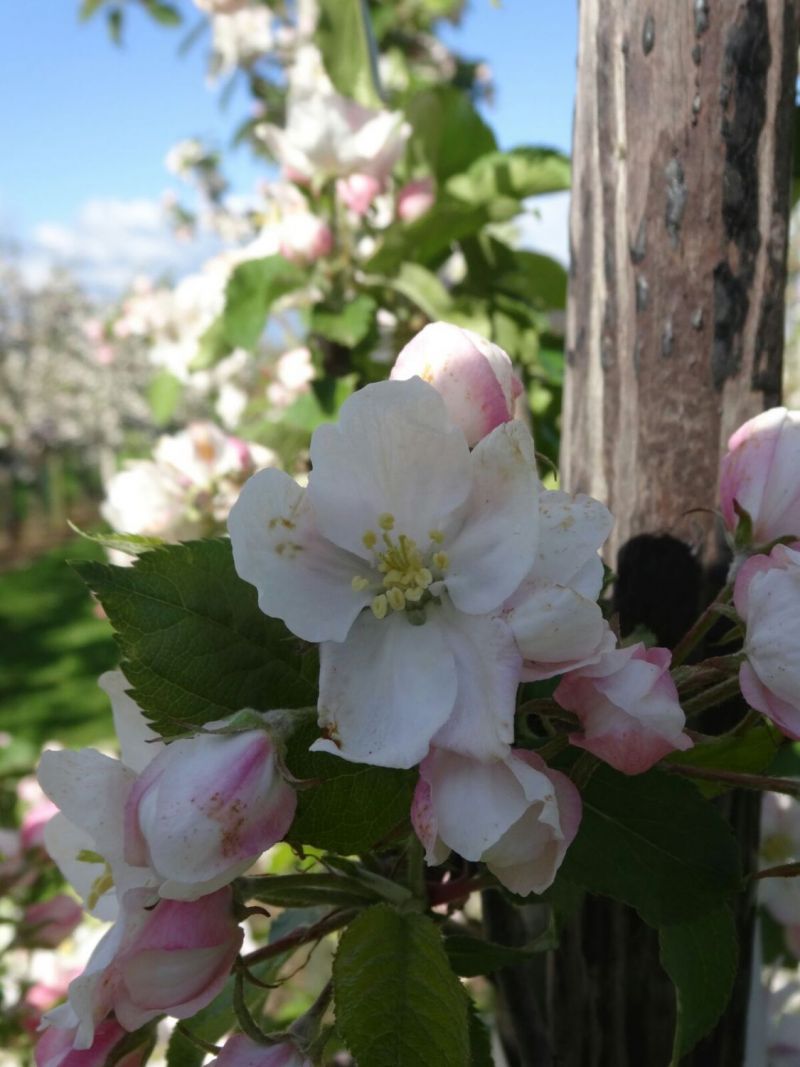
{"x":85,"y":122}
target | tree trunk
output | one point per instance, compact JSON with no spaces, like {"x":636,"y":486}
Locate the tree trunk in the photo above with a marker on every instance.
{"x":682,"y":153}
{"x":678,"y":226}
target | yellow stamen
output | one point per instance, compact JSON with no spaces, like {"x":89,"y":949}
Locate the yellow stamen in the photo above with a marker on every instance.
{"x":369,"y":540}
{"x":380,"y":605}
{"x":386,"y":521}
{"x":441,"y":560}
{"x":359,"y":584}
{"x":414,"y":594}
{"x":396,"y":598}
{"x":436,"y":536}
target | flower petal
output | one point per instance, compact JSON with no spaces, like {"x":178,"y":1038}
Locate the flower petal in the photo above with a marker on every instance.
{"x":572,"y":531}
{"x":385,"y":691}
{"x":300,"y":577}
{"x":394,"y":452}
{"x":497,"y":543}
{"x":554,"y":625}
{"x":487,"y":667}
{"x":137,"y":741}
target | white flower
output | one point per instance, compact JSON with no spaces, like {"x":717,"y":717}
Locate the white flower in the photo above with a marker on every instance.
{"x":516,"y":815}
{"x":398,"y":558}
{"x":328,"y":135}
{"x":185,"y":155}
{"x":240,"y":36}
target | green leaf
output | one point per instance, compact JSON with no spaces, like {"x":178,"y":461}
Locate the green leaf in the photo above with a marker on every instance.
{"x":480,"y":1042}
{"x":430,"y":238}
{"x":163,"y":395}
{"x":164,"y":13}
{"x":321,"y":404}
{"x":132,"y":544}
{"x":701,"y":957}
{"x":252,"y":289}
{"x":535,"y":279}
{"x":307,"y":890}
{"x":653,"y":842}
{"x":398,"y":1003}
{"x":353,"y":807}
{"x":89,"y":8}
{"x":344,"y":34}
{"x":751,"y":753}
{"x":422,"y":288}
{"x":115,"y":20}
{"x":348,"y":325}
{"x":195,"y":645}
{"x":448,"y":131}
{"x":517,"y":174}
{"x":214,"y":1021}
{"x":471,"y":956}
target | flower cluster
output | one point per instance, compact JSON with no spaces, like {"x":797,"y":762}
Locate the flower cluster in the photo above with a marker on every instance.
{"x":436,"y":577}
{"x":153,"y":841}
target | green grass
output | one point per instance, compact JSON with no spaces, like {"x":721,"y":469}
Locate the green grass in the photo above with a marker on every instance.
{"x":52,"y":650}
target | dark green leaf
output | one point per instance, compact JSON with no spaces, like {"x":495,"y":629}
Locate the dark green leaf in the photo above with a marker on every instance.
{"x":132,"y":544}
{"x":751,"y":753}
{"x":471,"y":956}
{"x":252,"y":289}
{"x":353,"y":807}
{"x":701,"y":957}
{"x":430,"y":239}
{"x":307,"y":890}
{"x":480,"y":1041}
{"x":195,"y":645}
{"x":348,"y":49}
{"x":347,"y":326}
{"x":653,"y":842}
{"x":422,"y":288}
{"x":115,"y":19}
{"x":164,"y":395}
{"x":398,"y":1003}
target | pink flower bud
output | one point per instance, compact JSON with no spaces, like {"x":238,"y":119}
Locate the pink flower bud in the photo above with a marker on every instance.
{"x":761,"y":473}
{"x":516,"y":815}
{"x":55,"y":1048}
{"x":240,"y":1051}
{"x":161,"y":957}
{"x":304,"y":238}
{"x":205,"y":809}
{"x":474,"y":377}
{"x":357,"y":191}
{"x":51,"y":921}
{"x":416,"y":199}
{"x":628,"y":707}
{"x":34,"y":821}
{"x":767,"y":597}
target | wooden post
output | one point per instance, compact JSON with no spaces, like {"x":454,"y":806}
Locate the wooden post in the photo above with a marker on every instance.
{"x":680,"y":208}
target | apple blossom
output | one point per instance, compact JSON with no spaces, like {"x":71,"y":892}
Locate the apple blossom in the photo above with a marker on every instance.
{"x":294,"y":371}
{"x":761,"y":473}
{"x":304,"y":237}
{"x":415,"y":199}
{"x":327,"y":135}
{"x":55,"y":1048}
{"x":240,"y":35}
{"x":516,"y":815}
{"x":398,"y":557}
{"x":240,"y":1051}
{"x":49,"y":922}
{"x":767,"y":597}
{"x":554,"y":616}
{"x":205,"y":809}
{"x":358,"y":191}
{"x":474,"y":376}
{"x":160,"y":957}
{"x":628,"y":708}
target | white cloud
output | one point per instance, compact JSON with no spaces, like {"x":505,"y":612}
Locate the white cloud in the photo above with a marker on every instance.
{"x":110,"y":242}
{"x":545,"y":225}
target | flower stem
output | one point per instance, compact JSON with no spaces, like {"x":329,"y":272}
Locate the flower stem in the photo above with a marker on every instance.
{"x":760,"y":782}
{"x":697,"y":632}
{"x":783,"y":870}
{"x":334,"y":920}
{"x":717,"y":694}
